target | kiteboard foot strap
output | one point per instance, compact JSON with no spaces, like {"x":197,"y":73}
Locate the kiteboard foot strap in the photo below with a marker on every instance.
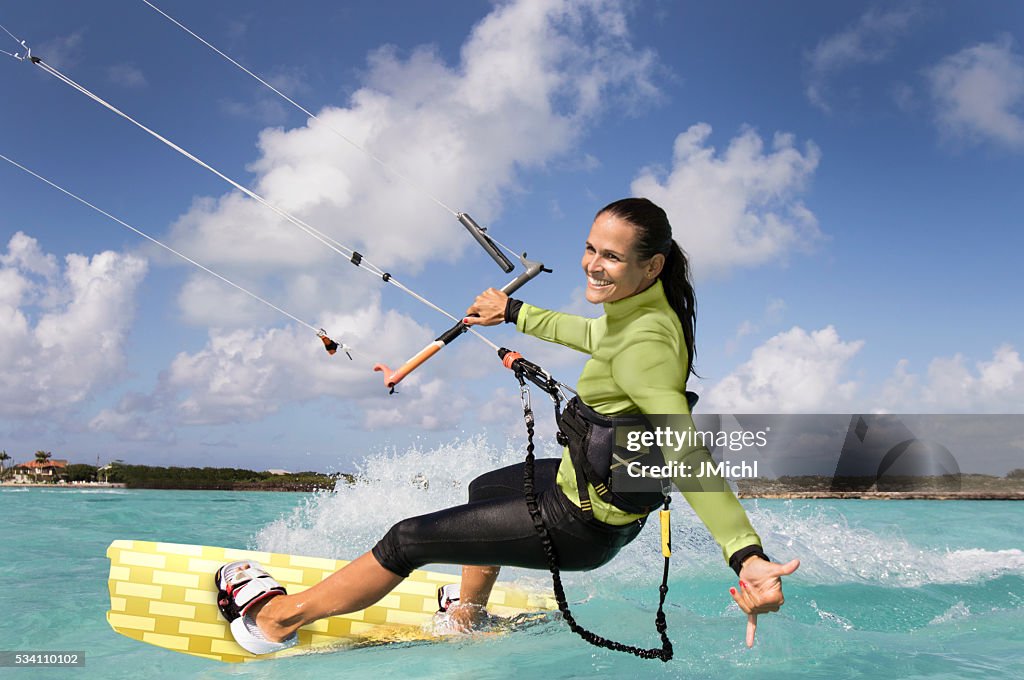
{"x":447,"y":595}
{"x":240,"y":585}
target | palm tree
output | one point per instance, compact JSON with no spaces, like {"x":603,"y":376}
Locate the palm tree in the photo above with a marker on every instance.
{"x":3,"y":457}
{"x":41,"y":458}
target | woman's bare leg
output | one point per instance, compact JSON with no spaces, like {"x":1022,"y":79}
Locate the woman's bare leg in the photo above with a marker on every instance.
{"x":476,"y":584}
{"x":356,"y":586}
{"x":473,"y":595}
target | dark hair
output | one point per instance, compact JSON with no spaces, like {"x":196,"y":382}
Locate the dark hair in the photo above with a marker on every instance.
{"x":653,"y":237}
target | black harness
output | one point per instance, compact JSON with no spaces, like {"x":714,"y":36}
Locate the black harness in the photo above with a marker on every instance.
{"x":598,"y":460}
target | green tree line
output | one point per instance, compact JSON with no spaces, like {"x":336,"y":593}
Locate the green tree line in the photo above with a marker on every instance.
{"x":153,"y":477}
{"x":150,"y":477}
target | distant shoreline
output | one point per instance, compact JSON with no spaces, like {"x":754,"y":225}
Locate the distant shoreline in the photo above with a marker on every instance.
{"x":99,"y":487}
{"x":963,"y":487}
{"x":120,"y":475}
{"x":889,"y":495}
{"x":50,"y":485}
{"x":792,"y":495}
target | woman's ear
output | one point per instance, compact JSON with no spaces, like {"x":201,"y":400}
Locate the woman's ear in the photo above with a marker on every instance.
{"x":655,"y":265}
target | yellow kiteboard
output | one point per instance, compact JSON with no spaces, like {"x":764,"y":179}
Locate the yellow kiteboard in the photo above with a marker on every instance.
{"x":164,"y":594}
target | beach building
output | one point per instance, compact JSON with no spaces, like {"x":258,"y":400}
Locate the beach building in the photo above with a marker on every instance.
{"x":35,"y":471}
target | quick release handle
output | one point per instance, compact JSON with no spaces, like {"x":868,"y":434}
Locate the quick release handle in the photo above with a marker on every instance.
{"x":480,"y":234}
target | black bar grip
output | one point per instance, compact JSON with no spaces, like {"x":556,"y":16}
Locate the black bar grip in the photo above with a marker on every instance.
{"x":485,"y":242}
{"x":455,"y":331}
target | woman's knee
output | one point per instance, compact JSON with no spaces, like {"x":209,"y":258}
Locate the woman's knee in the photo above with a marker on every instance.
{"x":391,"y":551}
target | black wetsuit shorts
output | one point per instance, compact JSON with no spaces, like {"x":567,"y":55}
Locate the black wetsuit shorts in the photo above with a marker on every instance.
{"x":495,"y":528}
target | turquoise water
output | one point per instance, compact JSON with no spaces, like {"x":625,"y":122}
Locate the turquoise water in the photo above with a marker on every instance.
{"x":887,"y":589}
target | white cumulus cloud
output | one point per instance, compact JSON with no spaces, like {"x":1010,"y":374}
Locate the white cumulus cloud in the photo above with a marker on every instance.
{"x":243,"y":375}
{"x":739,"y":208}
{"x":979,"y":93}
{"x":62,"y":332}
{"x":809,"y":372}
{"x":793,"y":372}
{"x":953,"y":385}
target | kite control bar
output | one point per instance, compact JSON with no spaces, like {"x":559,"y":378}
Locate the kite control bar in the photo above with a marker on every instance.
{"x":392,"y":378}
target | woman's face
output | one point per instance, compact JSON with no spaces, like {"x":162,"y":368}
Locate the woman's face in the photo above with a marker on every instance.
{"x":612,"y":269}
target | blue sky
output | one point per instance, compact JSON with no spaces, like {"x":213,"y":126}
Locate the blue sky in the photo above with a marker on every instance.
{"x":844,"y":176}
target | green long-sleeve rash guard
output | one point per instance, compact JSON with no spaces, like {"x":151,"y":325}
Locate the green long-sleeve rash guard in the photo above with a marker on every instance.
{"x":637,"y":364}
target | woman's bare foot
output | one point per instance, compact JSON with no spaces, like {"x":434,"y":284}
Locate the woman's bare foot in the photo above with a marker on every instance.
{"x":467,"y":617}
{"x":267,"y":624}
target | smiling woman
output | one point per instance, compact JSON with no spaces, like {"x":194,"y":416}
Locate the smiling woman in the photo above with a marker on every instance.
{"x":641,"y":356}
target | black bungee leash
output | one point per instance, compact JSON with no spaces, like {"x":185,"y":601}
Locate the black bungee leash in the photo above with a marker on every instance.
{"x":525,"y":370}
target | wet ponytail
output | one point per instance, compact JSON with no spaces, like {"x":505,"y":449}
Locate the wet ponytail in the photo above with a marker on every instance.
{"x":653,"y":237}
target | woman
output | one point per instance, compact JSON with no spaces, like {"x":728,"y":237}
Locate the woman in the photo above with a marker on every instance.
{"x":641,"y":355}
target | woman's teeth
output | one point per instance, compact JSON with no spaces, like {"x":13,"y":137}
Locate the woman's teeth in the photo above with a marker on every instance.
{"x":598,"y":283}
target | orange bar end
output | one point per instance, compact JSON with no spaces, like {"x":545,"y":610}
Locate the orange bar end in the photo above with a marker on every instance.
{"x":389,"y":375}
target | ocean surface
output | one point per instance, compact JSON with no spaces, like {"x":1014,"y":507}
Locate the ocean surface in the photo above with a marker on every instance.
{"x":887,"y":589}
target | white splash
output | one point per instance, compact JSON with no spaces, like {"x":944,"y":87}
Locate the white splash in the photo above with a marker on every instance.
{"x":391,"y":486}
